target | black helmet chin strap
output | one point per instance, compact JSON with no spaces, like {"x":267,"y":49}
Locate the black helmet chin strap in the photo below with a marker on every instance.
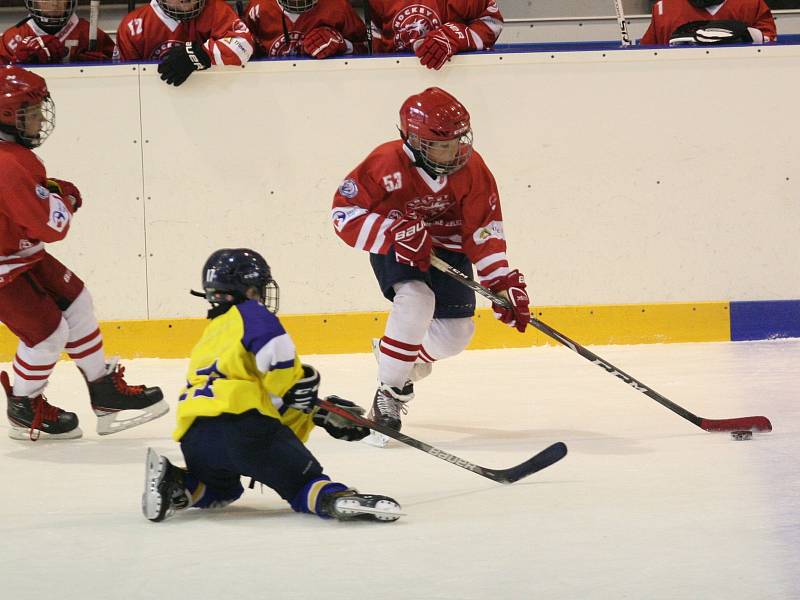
{"x":418,"y":160}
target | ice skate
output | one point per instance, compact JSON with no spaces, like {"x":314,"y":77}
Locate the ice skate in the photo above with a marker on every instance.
{"x":349,"y":505}
{"x":110,"y":395}
{"x":164,"y":490}
{"x":387,"y":405}
{"x":29,"y":418}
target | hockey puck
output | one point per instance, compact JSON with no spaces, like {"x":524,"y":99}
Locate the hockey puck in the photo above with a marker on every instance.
{"x":741,"y":435}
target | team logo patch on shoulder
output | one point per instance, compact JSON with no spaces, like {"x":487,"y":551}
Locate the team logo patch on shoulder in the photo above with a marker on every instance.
{"x":42,"y":192}
{"x":348,"y":189}
{"x":490,"y":231}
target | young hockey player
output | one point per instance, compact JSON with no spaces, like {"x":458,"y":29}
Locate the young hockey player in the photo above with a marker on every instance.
{"x":53,"y":33}
{"x":427,"y":190}
{"x":434,"y":30}
{"x":43,"y":302}
{"x":317,"y":28}
{"x":678,"y":22}
{"x":185,"y":36}
{"x":248,"y":406}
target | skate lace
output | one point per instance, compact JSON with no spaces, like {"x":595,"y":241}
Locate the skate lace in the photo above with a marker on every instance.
{"x":42,"y":411}
{"x":390,"y":406}
{"x":119,"y":382}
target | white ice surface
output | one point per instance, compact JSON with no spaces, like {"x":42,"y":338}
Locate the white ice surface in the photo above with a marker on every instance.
{"x":645,"y":506}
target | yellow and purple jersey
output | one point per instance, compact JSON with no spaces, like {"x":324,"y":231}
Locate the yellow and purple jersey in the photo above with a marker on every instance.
{"x":245,"y":360}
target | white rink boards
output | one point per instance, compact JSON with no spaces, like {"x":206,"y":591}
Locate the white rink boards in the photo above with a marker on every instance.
{"x":645,"y":505}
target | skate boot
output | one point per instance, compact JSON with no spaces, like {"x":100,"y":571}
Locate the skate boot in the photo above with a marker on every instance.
{"x":31,"y":417}
{"x":387,"y":405}
{"x":111,"y":395}
{"x":349,"y":505}
{"x":164,"y":489}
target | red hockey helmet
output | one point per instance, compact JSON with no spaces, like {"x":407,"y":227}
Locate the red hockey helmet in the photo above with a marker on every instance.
{"x":26,"y":110}
{"x":435,"y":126}
{"x":182,"y":10}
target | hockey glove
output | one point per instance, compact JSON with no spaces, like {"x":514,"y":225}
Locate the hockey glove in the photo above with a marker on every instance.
{"x":724,"y":32}
{"x":68,"y":192}
{"x":338,"y":426}
{"x":303,"y":394}
{"x":440,"y":44}
{"x":42,"y":50}
{"x":711,"y":32}
{"x":322,"y":42}
{"x":512,"y":287}
{"x":183,"y":60}
{"x":412,"y":243}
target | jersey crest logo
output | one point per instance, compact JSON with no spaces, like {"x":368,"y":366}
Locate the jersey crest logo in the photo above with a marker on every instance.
{"x":490,"y":231}
{"x":160,"y":50}
{"x":428,"y":207}
{"x":348,"y":189}
{"x":413,"y":23}
{"x":280,"y":48}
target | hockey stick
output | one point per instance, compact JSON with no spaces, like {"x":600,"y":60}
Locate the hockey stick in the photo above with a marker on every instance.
{"x":623,"y":26}
{"x":737,"y":424}
{"x":368,"y":23}
{"x":545,"y":458}
{"x":94,"y":17}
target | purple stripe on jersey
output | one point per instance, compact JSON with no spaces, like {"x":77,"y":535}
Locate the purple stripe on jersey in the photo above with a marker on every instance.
{"x":260,"y":325}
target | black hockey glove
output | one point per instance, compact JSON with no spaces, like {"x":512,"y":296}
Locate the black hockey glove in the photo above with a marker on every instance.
{"x":183,"y":60}
{"x":303,"y":394}
{"x":711,"y":32}
{"x":338,"y":426}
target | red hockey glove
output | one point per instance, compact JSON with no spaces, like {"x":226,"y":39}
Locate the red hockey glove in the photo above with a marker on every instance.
{"x":322,"y":42}
{"x":512,"y":287}
{"x":68,"y":192}
{"x":42,"y":50}
{"x":440,"y":44}
{"x":412,"y":243}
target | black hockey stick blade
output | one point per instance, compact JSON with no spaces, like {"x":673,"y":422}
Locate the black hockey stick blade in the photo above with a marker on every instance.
{"x":544,"y":459}
{"x":759,"y":423}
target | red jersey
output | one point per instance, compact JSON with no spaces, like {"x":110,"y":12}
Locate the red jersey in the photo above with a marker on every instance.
{"x":397,"y":24}
{"x":74,"y":35}
{"x":266,"y":19}
{"x":461,"y":210}
{"x":147,"y":33}
{"x":29,"y":214}
{"x":668,"y":15}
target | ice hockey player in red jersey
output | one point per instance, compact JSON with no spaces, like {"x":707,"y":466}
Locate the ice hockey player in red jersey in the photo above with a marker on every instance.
{"x":428,"y":190}
{"x":318,"y":28}
{"x":185,"y":36}
{"x":53,"y":33}
{"x":434,"y":29}
{"x":43,"y":302}
{"x":678,"y":22}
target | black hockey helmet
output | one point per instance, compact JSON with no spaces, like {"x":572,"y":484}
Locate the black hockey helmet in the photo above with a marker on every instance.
{"x":230,"y":272}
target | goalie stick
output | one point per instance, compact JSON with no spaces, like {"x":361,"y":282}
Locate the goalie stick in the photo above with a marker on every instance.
{"x":550,"y":455}
{"x":761,"y":424}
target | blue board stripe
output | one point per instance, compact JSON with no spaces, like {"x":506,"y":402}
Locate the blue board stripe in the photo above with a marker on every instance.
{"x":763,"y":320}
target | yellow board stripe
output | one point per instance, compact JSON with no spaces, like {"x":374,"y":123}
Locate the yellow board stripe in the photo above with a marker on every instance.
{"x":347,"y":333}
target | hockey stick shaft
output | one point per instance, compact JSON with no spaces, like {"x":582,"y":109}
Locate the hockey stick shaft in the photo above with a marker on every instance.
{"x":757,"y":423}
{"x":623,"y":25}
{"x":368,"y":23}
{"x":94,"y":17}
{"x":545,"y":458}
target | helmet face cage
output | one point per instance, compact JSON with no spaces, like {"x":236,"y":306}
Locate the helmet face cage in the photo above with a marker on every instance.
{"x":51,"y":15}
{"x":297,"y":6}
{"x":429,"y":152}
{"x":45,"y":113}
{"x":182,"y":10}
{"x":704,"y":3}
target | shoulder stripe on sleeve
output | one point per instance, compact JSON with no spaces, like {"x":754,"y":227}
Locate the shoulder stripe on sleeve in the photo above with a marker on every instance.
{"x":278,"y":353}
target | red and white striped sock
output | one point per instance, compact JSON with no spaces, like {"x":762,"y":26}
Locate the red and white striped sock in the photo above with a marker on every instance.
{"x":33,"y":365}
{"x":85,"y":343}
